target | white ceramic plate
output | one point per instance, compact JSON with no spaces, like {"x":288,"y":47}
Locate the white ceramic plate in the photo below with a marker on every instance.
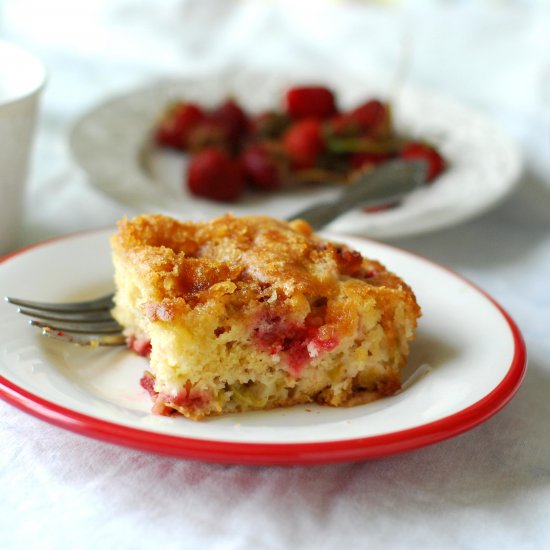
{"x":111,"y":143}
{"x":457,"y":376}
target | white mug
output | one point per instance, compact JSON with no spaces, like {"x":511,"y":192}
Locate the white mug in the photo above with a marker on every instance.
{"x":22,"y":78}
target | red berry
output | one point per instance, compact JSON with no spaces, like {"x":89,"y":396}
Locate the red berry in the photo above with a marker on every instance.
{"x":371,"y":114}
{"x":147,"y":382}
{"x":310,"y":101}
{"x":214,"y":174}
{"x":232,"y":117}
{"x":415,"y":150}
{"x":304,"y":143}
{"x":176,"y":124}
{"x":261,"y":167}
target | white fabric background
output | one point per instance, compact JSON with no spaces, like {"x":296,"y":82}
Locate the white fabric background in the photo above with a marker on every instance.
{"x":489,"y":488}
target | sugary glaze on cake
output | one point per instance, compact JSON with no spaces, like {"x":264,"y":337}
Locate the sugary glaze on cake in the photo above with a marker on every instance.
{"x":254,"y":313}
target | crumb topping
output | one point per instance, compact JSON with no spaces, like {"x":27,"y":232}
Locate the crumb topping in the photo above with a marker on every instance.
{"x":273,"y":259}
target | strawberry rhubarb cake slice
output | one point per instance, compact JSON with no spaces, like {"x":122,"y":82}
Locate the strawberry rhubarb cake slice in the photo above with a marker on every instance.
{"x":248,"y":313}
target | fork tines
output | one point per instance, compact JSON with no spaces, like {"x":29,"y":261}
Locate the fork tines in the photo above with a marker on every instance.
{"x":86,"y":323}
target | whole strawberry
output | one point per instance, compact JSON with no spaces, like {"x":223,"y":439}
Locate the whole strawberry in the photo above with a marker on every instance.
{"x":215,"y":175}
{"x":310,"y":102}
{"x":232,"y":117}
{"x":373,"y":117}
{"x":304,"y":143}
{"x":263,"y":166}
{"x":177,"y":123}
{"x":423,"y":151}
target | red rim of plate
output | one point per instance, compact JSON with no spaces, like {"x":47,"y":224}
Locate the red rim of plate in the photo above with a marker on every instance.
{"x":228,"y":452}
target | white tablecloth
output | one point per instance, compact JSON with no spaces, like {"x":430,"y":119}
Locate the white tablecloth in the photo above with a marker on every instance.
{"x":487,"y":488}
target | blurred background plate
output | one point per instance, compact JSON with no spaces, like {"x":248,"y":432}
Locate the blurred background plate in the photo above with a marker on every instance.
{"x":112,"y":145}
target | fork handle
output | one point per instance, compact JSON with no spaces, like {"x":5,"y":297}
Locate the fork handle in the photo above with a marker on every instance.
{"x":390,"y":182}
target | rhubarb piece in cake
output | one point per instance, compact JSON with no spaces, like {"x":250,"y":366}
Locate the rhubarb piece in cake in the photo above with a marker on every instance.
{"x":254,"y":313}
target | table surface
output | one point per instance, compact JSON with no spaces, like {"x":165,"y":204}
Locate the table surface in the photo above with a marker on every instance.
{"x":487,"y":488}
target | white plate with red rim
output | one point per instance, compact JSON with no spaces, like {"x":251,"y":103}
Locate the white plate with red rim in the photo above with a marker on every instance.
{"x":457,"y":377}
{"x":112,"y":144}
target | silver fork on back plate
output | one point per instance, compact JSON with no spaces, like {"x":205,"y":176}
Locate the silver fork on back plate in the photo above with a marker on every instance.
{"x":91,"y":323}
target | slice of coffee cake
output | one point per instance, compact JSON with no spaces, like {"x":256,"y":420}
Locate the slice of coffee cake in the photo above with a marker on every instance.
{"x":254,"y":313}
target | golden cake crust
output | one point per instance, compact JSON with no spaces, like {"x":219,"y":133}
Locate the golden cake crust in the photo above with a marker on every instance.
{"x":181,"y":259}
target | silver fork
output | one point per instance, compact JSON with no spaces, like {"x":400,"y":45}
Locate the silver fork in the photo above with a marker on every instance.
{"x":90,"y":322}
{"x":86,"y":323}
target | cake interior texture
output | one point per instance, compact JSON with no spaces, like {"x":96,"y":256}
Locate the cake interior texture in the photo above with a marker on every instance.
{"x":249,"y":313}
